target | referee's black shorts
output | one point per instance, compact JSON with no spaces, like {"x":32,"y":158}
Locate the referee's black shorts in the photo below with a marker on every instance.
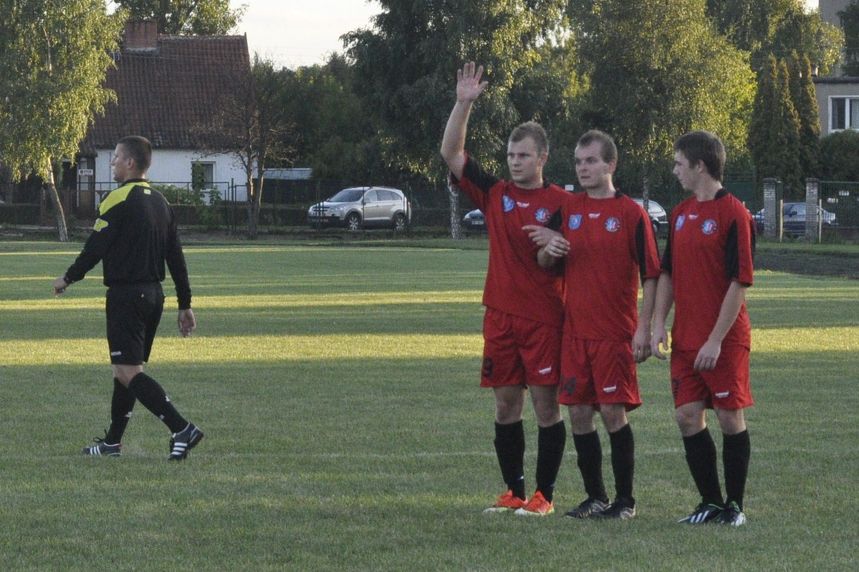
{"x":133,"y":313}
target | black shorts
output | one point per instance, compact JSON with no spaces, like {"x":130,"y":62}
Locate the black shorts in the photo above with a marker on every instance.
{"x":133,"y":313}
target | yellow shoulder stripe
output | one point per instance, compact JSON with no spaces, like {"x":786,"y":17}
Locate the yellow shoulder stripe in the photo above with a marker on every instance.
{"x":117,"y":196}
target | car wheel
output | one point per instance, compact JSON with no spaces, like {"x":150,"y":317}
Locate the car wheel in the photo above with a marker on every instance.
{"x":399,"y":222}
{"x":353,"y":221}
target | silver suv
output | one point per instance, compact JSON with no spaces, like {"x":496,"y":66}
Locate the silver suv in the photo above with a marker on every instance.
{"x":358,"y":207}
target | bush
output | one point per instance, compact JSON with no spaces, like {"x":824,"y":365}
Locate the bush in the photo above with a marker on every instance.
{"x":838,"y":153}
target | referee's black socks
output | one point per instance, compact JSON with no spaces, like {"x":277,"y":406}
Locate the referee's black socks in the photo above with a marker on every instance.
{"x":121,"y":405}
{"x":153,"y":398}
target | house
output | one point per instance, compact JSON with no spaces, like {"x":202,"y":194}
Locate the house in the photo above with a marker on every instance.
{"x":837,"y":95}
{"x":168,"y":88}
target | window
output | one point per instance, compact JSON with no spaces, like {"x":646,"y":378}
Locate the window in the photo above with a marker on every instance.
{"x":202,"y":175}
{"x":844,"y":113}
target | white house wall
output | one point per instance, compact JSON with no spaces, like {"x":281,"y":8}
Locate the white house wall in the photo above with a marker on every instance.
{"x":174,"y":166}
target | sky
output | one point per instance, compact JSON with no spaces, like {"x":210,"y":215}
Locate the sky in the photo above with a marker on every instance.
{"x":295,"y":33}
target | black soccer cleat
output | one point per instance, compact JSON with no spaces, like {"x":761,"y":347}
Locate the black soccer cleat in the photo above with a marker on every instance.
{"x":183,"y":441}
{"x":732,"y":515}
{"x":620,"y":509}
{"x":102,"y":449}
{"x":703,"y":513}
{"x":588,"y":508}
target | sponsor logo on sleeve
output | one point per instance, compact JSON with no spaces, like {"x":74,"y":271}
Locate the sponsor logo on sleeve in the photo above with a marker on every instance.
{"x":575,"y":221}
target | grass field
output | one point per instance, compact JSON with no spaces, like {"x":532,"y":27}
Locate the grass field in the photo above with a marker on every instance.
{"x":345,"y":428}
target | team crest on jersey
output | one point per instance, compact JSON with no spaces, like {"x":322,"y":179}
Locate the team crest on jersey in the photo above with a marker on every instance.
{"x":678,"y":224}
{"x":509,"y":204}
{"x":612,"y":224}
{"x":542,"y":215}
{"x":575,"y":221}
{"x":709,"y":226}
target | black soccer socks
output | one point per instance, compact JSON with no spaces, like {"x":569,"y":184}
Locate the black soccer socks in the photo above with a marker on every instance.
{"x":623,"y":460}
{"x":701,"y":457}
{"x":736,"y":452}
{"x":121,"y":405}
{"x":550,"y":452}
{"x":510,"y":449}
{"x":153,"y":398}
{"x":589,"y":453}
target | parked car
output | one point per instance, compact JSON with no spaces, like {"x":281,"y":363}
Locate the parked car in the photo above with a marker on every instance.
{"x":657,"y":214}
{"x":474,"y":220}
{"x":793,"y":218}
{"x":360,"y":207}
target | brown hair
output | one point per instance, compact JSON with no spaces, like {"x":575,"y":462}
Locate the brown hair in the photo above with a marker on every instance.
{"x":139,"y":149}
{"x":609,"y":149}
{"x":533,"y":130}
{"x":703,"y":146}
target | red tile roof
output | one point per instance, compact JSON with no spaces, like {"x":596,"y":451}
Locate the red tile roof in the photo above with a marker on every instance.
{"x":165,"y":93}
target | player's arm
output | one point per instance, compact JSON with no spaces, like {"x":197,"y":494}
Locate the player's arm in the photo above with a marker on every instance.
{"x":663,"y":300}
{"x":468,"y":89}
{"x":641,"y":339}
{"x":708,"y":355}
{"x":553,"y":245}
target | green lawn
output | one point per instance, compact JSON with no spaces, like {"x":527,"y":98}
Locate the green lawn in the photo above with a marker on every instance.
{"x":338,"y":388}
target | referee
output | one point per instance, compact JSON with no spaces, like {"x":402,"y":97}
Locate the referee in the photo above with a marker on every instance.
{"x":133,"y":236}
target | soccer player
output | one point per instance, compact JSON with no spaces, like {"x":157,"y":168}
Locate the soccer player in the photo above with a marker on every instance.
{"x":607,"y":246}
{"x":706,"y":268}
{"x":133,"y":236}
{"x":523,"y":319}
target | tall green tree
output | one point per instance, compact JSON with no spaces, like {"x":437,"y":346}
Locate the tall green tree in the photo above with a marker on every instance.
{"x":649,"y":82}
{"x":804,"y":98}
{"x":774,"y":137}
{"x":406,"y":67}
{"x":54,"y":55}
{"x":186,"y":17}
{"x":850,"y":25}
{"x":334,"y":134}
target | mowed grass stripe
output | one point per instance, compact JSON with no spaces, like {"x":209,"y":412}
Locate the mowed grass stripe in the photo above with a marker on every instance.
{"x":285,"y":347}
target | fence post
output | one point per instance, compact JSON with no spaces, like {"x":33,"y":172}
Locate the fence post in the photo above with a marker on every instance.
{"x":812,"y":191}
{"x":771,"y":208}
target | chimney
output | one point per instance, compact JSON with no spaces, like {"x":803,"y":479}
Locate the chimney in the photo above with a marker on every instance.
{"x":141,"y":35}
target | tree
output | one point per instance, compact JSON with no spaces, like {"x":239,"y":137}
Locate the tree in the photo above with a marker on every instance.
{"x":650,"y":83}
{"x":250,"y":123}
{"x":186,"y":17}
{"x":838,"y":153}
{"x":406,"y":68}
{"x":774,"y":138}
{"x":804,"y":98}
{"x":333,"y":131}
{"x":850,"y":25}
{"x":54,"y":55}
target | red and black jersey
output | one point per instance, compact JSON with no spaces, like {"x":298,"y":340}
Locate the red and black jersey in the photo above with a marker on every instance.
{"x":612,"y":247}
{"x":515,"y":283}
{"x":710,"y":245}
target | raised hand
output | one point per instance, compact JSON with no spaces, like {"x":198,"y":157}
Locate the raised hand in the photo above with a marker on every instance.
{"x":468,"y":84}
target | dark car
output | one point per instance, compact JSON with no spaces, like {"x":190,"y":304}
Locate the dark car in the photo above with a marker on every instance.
{"x":474,"y":220}
{"x":793,"y":218}
{"x":658,"y":216}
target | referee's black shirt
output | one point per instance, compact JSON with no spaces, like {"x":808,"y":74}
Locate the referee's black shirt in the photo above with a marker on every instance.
{"x":134,"y":234}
